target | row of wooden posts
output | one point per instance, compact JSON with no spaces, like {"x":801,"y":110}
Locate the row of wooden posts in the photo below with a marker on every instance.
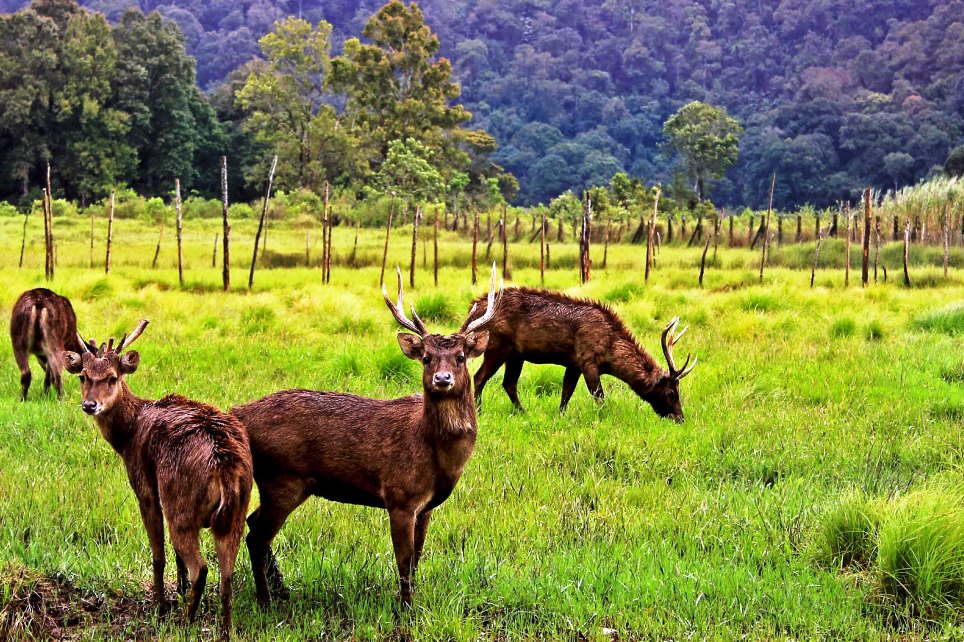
{"x":649,"y":228}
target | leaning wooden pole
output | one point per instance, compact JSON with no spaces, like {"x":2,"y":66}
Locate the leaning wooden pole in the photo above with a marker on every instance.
{"x":214,"y":254}
{"x":388,"y":234}
{"x":157,"y":250}
{"x":23,"y":240}
{"x":766,"y":228}
{"x":110,"y":233}
{"x":906,"y":252}
{"x":435,"y":251}
{"x":542,"y":251}
{"x":703,"y":260}
{"x":865,"y":268}
{"x":331,"y":224}
{"x":49,"y":230}
{"x":261,"y":222}
{"x":475,"y":243}
{"x":226,"y":232}
{"x":415,"y":220}
{"x":947,"y":235}
{"x":876,"y":245}
{"x":649,"y":236}
{"x":816,"y":256}
{"x":847,"y":265}
{"x":324,"y":237}
{"x":180,"y":225}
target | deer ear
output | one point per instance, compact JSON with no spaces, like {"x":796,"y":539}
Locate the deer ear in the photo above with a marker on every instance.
{"x":73,"y":362}
{"x":475,"y":344}
{"x":411,"y":345}
{"x":129,"y":362}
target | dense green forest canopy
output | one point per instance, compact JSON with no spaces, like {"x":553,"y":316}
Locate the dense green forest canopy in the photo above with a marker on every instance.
{"x":833,"y":95}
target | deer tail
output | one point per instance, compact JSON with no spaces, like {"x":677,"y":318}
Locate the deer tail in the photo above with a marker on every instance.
{"x":234,"y":501}
{"x":43,"y":326}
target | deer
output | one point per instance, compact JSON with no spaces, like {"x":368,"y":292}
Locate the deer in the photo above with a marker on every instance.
{"x":43,"y":324}
{"x":186,"y":461}
{"x":403,"y":455}
{"x":587,"y":338}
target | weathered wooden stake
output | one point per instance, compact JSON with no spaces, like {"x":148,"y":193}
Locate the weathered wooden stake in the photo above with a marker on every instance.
{"x":506,"y":272}
{"x":308,"y":248}
{"x":946,"y":228}
{"x":261,"y":223}
{"x":324,"y":236}
{"x":475,"y":243}
{"x":703,"y":260}
{"x":649,"y":235}
{"x":876,"y":245}
{"x":226,"y":241}
{"x":91,"y":238}
{"x":906,"y":249}
{"x":23,"y":241}
{"x":766,"y":228}
{"x":328,"y":242}
{"x":816,"y":256}
{"x":542,"y":250}
{"x":180,"y":224}
{"x":214,"y":254}
{"x":110,"y":233}
{"x":435,"y":250}
{"x":354,"y":248}
{"x":157,"y":250}
{"x":415,"y":220}
{"x":388,"y":233}
{"x":606,"y":244}
{"x":847,"y":266}
{"x":865,"y":268}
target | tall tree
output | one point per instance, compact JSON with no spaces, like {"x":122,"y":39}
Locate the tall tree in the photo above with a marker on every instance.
{"x":707,"y":140}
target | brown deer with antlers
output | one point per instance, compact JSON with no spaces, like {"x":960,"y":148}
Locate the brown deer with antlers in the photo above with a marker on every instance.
{"x":404,"y":455}
{"x":42,"y":324}
{"x":185,"y":460}
{"x":584,"y":336}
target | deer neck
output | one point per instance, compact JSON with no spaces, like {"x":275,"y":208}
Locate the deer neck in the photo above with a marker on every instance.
{"x":119,"y":424}
{"x":636,"y":368}
{"x":449,"y":418}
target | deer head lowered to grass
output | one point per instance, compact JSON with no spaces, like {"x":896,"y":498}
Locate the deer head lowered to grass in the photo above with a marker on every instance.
{"x":403,"y":455}
{"x":186,"y":461}
{"x":586,"y":337}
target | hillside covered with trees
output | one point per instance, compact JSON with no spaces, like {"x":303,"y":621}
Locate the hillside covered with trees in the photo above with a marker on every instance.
{"x":831,"y":95}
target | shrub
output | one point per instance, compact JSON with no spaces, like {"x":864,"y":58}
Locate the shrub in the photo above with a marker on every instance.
{"x":196,"y":207}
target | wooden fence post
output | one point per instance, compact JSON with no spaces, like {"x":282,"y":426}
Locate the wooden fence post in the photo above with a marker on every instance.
{"x":415,"y":220}
{"x":816,"y":256}
{"x":542,"y":251}
{"x":766,"y":228}
{"x":906,"y":251}
{"x":226,"y":241}
{"x":865,"y":268}
{"x":110,"y":233}
{"x":435,"y":250}
{"x":652,"y":229}
{"x":180,"y":224}
{"x":475,"y":243}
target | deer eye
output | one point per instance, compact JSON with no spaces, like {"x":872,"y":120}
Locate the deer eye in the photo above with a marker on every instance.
{"x":112,"y":380}
{"x":460,"y":359}
{"x":426,"y":359}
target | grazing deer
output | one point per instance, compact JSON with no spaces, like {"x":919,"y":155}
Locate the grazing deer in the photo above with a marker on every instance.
{"x":43,"y":324}
{"x":185,"y":460}
{"x":404,"y":455}
{"x":586,"y":337}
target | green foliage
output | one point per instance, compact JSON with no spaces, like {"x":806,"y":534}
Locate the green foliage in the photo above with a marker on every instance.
{"x":706,"y":138}
{"x":948,"y":320}
{"x":954,"y":166}
{"x":847,"y":535}
{"x":408,"y":172}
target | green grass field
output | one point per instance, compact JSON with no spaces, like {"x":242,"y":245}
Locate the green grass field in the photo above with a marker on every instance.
{"x":817,"y":420}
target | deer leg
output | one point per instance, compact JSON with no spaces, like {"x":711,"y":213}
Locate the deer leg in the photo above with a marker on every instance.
{"x":46,"y":366}
{"x":227,"y":550}
{"x":569,"y":381}
{"x":591,"y":375}
{"x":421,"y":530}
{"x":188,"y":546}
{"x":154,"y":524}
{"x":403,"y":540}
{"x":55,"y":366}
{"x":23,"y":362}
{"x":491,"y":362}
{"x":182,"y":581}
{"x":510,"y":378}
{"x":263,"y":524}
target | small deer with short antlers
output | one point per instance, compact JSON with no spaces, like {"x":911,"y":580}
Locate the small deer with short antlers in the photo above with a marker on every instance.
{"x":186,"y":461}
{"x":404,"y":455}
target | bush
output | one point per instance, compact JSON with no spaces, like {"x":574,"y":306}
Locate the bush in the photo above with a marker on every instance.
{"x":196,"y":207}
{"x":240,"y":210}
{"x":6,"y":209}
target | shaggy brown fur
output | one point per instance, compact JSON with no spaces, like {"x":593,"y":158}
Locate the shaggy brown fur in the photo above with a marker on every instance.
{"x":42,"y":324}
{"x":185,"y":460}
{"x":585,"y":336}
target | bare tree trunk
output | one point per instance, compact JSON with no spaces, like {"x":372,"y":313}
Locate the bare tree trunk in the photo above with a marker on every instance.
{"x":876,"y":245}
{"x":906,"y":246}
{"x":488,"y":247}
{"x":649,"y":236}
{"x":547,"y":256}
{"x":516,"y":227}
{"x":110,"y":233}
{"x":180,"y":224}
{"x":731,"y":230}
{"x":415,"y":220}
{"x":896,"y":225}
{"x":816,"y":256}
{"x":49,"y":245}
{"x":542,"y":251}
{"x":716,"y":234}
{"x":669,"y":228}
{"x":261,"y":222}
{"x":324,"y":237}
{"x":561,"y":231}
{"x":388,"y":233}
{"x":585,"y":240}
{"x":331,"y":234}
{"x":799,"y":227}
{"x":226,"y":242}
{"x":779,"y":230}
{"x":503,"y":225}
{"x":214,"y":254}
{"x":475,"y":243}
{"x":23,"y":241}
{"x":865,"y":268}
{"x":157,"y":251}
{"x":435,"y":250}
{"x":703,"y":259}
{"x":766,"y":229}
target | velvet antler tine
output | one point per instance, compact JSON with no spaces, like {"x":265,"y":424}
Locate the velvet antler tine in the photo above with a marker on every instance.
{"x":133,"y":336}
{"x":490,"y":304}
{"x":83,"y":344}
{"x":397,"y":309}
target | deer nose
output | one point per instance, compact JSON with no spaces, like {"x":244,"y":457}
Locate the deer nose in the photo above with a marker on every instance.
{"x":89,"y":406}
{"x":443,"y":379}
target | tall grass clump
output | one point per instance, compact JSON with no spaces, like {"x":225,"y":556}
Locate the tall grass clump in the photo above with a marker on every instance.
{"x":921,"y":550}
{"x":874,"y":331}
{"x":847,"y":536}
{"x":434,"y":307}
{"x":843,"y":327}
{"x":948,"y":320}
{"x":392,"y":365}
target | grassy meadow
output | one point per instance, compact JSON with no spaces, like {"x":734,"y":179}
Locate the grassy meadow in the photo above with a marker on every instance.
{"x":814,"y":490}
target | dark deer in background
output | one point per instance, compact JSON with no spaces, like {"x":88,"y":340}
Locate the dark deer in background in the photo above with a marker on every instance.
{"x":42,"y":324}
{"x":586,"y":337}
{"x":186,"y":461}
{"x":404,"y":455}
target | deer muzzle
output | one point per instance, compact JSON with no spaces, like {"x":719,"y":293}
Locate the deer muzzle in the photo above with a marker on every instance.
{"x":443,"y":380}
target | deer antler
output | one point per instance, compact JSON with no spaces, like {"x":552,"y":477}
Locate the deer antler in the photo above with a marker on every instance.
{"x":669,"y":340}
{"x":84,"y":344}
{"x":398,"y":310}
{"x":489,"y":309}
{"x":127,"y":340}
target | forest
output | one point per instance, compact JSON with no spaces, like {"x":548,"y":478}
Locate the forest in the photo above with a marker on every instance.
{"x":832,"y":96}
